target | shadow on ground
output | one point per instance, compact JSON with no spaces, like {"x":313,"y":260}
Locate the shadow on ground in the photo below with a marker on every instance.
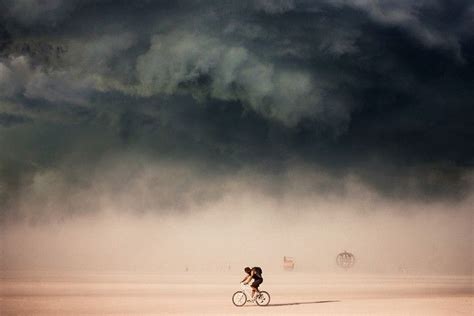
{"x":297,"y":303}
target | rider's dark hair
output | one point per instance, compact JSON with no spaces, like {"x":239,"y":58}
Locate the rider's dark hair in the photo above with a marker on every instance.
{"x":247,"y":270}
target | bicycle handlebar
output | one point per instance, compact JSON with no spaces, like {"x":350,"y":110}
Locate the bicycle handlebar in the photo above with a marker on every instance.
{"x":244,"y":286}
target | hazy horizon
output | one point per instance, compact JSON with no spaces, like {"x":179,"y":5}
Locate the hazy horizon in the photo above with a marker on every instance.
{"x":243,"y":220}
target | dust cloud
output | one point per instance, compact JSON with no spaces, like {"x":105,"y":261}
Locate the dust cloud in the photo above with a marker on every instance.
{"x":209,"y":224}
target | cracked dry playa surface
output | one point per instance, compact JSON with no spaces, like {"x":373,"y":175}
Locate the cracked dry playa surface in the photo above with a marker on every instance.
{"x":205,"y":294}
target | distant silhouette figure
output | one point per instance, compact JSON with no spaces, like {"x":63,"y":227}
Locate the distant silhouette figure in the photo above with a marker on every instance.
{"x":288,"y":263}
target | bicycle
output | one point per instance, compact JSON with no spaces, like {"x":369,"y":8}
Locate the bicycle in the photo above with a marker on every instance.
{"x":240,"y":297}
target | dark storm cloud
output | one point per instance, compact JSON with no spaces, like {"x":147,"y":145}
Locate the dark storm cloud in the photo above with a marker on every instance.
{"x":11,"y":119}
{"x":381,"y":90}
{"x":29,"y":13}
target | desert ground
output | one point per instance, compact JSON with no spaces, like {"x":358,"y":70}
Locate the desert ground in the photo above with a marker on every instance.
{"x":209,"y":293}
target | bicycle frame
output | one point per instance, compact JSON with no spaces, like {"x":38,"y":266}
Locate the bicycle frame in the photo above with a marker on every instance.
{"x":247,"y":289}
{"x":263,"y":298}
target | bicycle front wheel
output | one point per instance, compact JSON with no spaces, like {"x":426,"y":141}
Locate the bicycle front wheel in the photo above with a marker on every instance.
{"x":263,"y":298}
{"x":239,"y":298}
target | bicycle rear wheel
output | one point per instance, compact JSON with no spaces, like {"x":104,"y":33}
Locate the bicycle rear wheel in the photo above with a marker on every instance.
{"x":239,"y":298}
{"x":263,"y":298}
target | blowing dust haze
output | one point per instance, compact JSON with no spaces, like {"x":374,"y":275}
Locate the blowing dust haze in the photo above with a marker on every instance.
{"x":205,"y":136}
{"x":163,"y":218}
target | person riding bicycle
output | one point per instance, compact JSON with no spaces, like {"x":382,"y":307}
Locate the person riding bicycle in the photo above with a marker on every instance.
{"x":256,"y":276}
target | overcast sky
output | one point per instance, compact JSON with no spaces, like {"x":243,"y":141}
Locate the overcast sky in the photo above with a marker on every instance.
{"x":156,"y":134}
{"x":108,"y":91}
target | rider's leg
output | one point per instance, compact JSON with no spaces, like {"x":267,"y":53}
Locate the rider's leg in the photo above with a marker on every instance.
{"x":255,"y":290}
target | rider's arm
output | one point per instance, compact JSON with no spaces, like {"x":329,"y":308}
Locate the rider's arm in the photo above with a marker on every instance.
{"x":247,"y":279}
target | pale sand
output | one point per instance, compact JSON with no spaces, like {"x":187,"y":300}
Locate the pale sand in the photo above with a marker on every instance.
{"x":210,"y":294}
